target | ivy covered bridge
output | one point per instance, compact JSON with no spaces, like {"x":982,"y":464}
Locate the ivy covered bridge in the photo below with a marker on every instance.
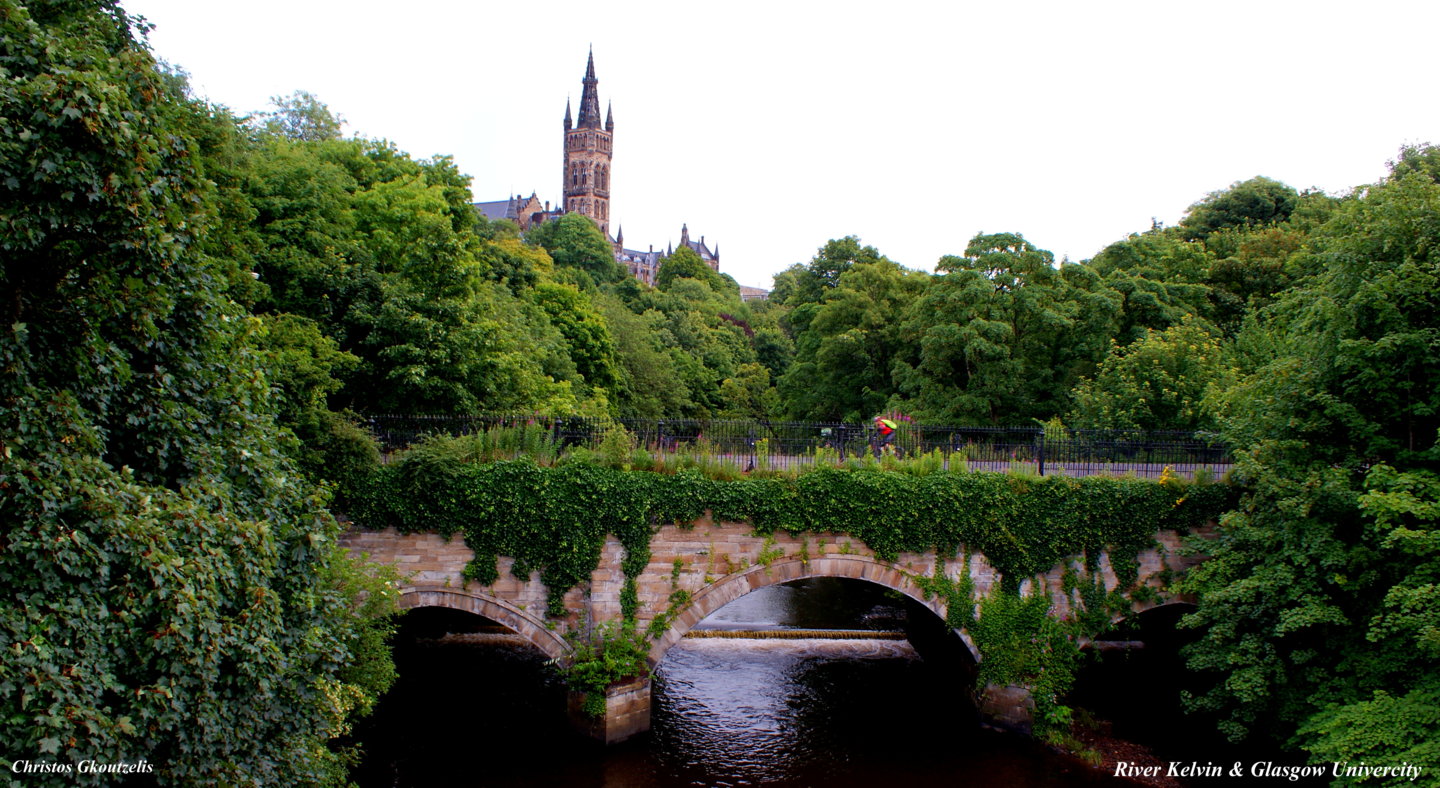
{"x":597,"y":565}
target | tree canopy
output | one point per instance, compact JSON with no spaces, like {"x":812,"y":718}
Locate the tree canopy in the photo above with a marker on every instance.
{"x":1316,"y":609}
{"x":174,"y":591}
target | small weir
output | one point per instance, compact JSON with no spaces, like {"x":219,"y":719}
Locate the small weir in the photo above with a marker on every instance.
{"x":797,"y":634}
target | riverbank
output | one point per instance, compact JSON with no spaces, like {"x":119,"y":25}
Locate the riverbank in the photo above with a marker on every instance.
{"x":1127,"y":760}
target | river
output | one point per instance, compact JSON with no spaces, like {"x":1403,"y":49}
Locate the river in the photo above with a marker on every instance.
{"x":475,"y":708}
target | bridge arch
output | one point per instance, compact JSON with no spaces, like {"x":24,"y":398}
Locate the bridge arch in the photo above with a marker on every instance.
{"x":527,"y":626}
{"x":727,"y":589}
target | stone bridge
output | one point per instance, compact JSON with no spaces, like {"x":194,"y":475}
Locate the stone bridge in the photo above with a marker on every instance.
{"x":715,"y":563}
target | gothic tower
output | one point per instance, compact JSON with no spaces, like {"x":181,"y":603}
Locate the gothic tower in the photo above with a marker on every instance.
{"x":587,"y":155}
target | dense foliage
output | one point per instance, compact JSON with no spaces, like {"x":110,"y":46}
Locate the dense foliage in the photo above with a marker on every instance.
{"x":1318,"y":609}
{"x":173,"y":588}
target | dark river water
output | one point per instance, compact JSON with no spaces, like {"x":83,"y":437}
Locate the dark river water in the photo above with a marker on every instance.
{"x":476,"y":708}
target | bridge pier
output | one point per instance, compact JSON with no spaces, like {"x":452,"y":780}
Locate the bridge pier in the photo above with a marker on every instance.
{"x":627,"y":712}
{"x":1010,"y":707}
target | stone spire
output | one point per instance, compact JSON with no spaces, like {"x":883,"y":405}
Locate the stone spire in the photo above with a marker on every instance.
{"x":590,"y":98}
{"x":567,"y":114}
{"x":609,"y":118}
{"x":586,"y":175}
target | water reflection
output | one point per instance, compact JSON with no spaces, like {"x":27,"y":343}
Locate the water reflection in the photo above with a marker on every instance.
{"x":754,"y":711}
{"x":833,"y":713}
{"x":813,"y":603}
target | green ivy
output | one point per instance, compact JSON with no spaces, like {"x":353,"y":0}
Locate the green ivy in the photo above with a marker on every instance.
{"x":959,"y":593}
{"x":555,"y":519}
{"x":1024,"y":645}
{"x":614,"y":652}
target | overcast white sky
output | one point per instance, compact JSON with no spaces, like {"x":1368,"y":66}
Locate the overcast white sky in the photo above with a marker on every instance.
{"x":772,"y":127}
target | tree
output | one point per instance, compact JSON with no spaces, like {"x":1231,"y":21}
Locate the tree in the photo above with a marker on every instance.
{"x":1002,"y":335}
{"x":748,"y":395}
{"x":173,"y":586}
{"x":1161,"y":279}
{"x":803,"y":288}
{"x":1417,"y":159}
{"x":1249,"y":203}
{"x":843,"y":360}
{"x":1158,"y":382}
{"x":306,"y":368}
{"x":585,"y":331}
{"x":686,"y":264}
{"x":303,"y":117}
{"x":1316,"y":608}
{"x":575,"y":242}
{"x":484,"y":350}
{"x":650,"y":385}
{"x":383,"y":253}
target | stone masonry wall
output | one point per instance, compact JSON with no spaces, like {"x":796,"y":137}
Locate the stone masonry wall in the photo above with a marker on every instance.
{"x":717,"y":563}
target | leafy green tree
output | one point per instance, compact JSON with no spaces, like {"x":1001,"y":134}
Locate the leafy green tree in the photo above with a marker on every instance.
{"x":514,"y":264}
{"x":1315,"y":608}
{"x":774,"y":350}
{"x":1003,"y":335}
{"x":174,"y":591}
{"x":303,"y":117}
{"x":587,"y":336}
{"x":843,"y":360}
{"x":1252,"y":272}
{"x":1160,"y":278}
{"x":306,"y":367}
{"x":575,"y":242}
{"x":1249,"y":203}
{"x":803,"y":288}
{"x":1158,"y":382}
{"x":387,"y":257}
{"x":650,"y":385}
{"x":484,"y":351}
{"x":705,"y":334}
{"x":1395,"y":722}
{"x":786,"y":283}
{"x":749,"y":395}
{"x":302,"y":231}
{"x":686,"y":264}
{"x":1417,"y":159}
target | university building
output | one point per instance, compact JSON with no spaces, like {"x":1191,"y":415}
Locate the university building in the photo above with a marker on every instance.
{"x":589,"y":147}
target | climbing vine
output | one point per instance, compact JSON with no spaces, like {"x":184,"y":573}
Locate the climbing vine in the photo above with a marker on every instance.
{"x":614,"y":652}
{"x":1022,"y":644}
{"x":958,"y":593}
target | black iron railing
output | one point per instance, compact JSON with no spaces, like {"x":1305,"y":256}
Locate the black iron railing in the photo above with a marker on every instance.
{"x":789,"y":444}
